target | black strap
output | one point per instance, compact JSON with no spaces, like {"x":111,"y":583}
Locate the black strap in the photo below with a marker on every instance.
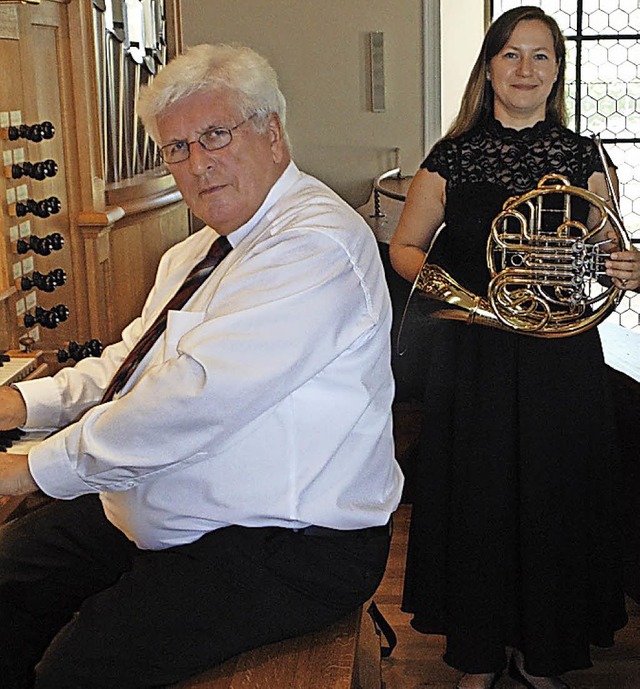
{"x":384,"y":629}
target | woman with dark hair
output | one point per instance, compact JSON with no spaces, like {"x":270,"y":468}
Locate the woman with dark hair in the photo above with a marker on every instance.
{"x":514,"y":546}
{"x":478,"y":102}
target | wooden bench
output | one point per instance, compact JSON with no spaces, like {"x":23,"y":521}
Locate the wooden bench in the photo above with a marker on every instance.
{"x":345,"y":655}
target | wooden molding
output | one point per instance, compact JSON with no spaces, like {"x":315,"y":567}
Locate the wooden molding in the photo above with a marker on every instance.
{"x":100,"y":218}
{"x":148,"y":184}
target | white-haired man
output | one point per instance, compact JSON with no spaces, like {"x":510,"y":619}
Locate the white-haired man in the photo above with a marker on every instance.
{"x":226,"y":470}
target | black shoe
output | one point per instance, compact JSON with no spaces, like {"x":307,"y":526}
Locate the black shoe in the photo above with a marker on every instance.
{"x":515,"y":673}
{"x":492,"y":683}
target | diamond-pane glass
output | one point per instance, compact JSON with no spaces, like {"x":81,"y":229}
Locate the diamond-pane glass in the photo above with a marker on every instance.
{"x":604,"y":42}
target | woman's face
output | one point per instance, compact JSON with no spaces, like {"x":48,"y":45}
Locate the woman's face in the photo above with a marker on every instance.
{"x":522,"y":75}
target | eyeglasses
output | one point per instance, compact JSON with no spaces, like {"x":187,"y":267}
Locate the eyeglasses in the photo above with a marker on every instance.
{"x":211,"y":140}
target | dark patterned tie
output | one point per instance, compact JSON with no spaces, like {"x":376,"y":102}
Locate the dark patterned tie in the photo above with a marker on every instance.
{"x":218,"y":250}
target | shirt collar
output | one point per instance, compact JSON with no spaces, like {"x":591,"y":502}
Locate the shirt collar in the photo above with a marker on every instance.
{"x":283,"y":183}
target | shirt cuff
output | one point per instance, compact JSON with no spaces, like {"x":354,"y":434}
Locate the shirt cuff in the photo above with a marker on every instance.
{"x":51,"y":470}
{"x":43,"y":400}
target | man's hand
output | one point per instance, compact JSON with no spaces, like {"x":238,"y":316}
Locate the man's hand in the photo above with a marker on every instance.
{"x":13,"y":411}
{"x":15,"y":477}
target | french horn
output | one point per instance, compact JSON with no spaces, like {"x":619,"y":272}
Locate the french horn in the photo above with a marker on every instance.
{"x":547,"y":268}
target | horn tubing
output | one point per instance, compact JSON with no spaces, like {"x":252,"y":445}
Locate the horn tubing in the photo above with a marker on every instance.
{"x":519,"y":299}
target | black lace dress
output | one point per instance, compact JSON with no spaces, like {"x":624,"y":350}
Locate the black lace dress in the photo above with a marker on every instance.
{"x":514,"y":540}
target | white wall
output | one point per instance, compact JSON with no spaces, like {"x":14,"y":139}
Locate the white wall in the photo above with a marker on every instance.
{"x":319,"y":49}
{"x":462,"y":31}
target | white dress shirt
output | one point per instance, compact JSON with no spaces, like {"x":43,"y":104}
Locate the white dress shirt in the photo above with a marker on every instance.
{"x":267,"y":401}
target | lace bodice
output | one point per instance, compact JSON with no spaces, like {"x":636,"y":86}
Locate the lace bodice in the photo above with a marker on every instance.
{"x":514,"y":159}
{"x":486,"y":166}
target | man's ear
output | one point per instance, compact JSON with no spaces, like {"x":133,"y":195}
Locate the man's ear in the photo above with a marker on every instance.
{"x":276,"y":138}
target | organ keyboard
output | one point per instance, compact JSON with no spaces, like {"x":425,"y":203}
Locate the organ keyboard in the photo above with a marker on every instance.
{"x":17,"y":366}
{"x":13,"y":370}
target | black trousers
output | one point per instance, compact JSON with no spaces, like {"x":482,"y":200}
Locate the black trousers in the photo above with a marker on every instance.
{"x":82,"y":608}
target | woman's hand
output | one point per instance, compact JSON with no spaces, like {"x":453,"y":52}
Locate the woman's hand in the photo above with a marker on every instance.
{"x":624,"y":268}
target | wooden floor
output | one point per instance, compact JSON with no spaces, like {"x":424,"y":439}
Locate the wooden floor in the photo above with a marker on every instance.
{"x":416,"y":662}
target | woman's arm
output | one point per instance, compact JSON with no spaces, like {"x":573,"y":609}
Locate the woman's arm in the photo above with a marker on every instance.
{"x":422,"y":215}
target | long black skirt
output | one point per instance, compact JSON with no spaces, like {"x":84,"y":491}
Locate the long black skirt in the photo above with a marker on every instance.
{"x":515,"y":539}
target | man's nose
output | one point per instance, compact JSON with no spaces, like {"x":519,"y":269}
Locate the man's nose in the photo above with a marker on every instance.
{"x":200,"y":160}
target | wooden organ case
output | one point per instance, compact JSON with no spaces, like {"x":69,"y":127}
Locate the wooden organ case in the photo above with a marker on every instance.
{"x":87,"y":207}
